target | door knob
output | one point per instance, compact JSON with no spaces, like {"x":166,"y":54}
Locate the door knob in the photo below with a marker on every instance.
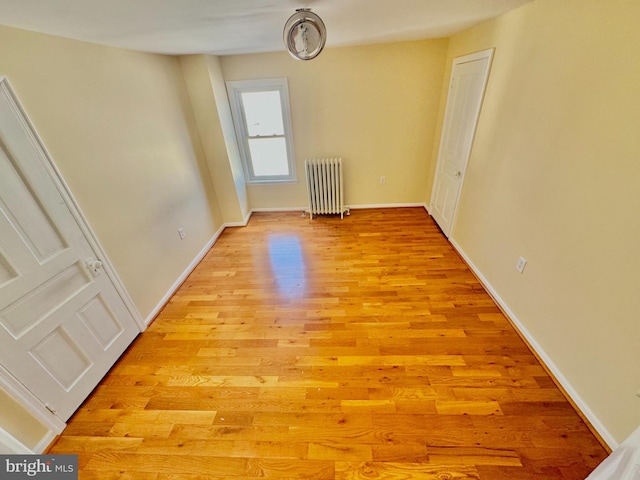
{"x":94,"y":265}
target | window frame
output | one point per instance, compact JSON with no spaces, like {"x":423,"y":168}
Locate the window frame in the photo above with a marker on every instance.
{"x":235,"y":89}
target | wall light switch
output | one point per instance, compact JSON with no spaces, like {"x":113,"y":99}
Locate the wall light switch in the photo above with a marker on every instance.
{"x":521,"y":264}
{"x":181,"y":233}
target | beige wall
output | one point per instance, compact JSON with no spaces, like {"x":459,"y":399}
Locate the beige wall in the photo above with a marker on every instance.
{"x":19,"y":423}
{"x":119,"y":126}
{"x":206,"y":87}
{"x":376,"y":106}
{"x":554,"y":176}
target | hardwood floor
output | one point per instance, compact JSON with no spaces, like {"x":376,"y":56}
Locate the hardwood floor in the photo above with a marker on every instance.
{"x":360,"y":348}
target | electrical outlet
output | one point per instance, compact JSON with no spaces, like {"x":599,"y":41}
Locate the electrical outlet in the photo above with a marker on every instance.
{"x":521,"y":264}
{"x":181,"y":233}
{"x":383,"y":180}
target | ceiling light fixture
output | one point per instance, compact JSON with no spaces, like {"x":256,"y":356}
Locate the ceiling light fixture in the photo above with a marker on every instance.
{"x":304,"y":34}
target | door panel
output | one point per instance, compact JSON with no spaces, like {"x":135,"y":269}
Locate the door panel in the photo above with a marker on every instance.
{"x":103,"y":324}
{"x":35,"y":229}
{"x":31,"y":307}
{"x":62,"y":325}
{"x":61,"y":357}
{"x":468,"y":80}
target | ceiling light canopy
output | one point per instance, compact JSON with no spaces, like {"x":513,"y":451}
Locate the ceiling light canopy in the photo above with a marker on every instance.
{"x":304,"y":34}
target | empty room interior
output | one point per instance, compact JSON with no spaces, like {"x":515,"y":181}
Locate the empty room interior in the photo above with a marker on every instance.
{"x":499,"y":340}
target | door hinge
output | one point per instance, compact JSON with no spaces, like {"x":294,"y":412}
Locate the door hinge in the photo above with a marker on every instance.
{"x":51,"y":409}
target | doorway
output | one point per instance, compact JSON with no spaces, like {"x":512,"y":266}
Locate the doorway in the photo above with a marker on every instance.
{"x":467,"y":85}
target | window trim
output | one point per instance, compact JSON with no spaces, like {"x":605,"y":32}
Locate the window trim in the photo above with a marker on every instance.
{"x":234,"y":90}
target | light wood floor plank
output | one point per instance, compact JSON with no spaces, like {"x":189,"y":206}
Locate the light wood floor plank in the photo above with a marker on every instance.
{"x":330,"y":349}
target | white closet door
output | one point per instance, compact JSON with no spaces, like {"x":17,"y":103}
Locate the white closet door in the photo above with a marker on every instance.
{"x":62,"y":322}
{"x":466,"y":90}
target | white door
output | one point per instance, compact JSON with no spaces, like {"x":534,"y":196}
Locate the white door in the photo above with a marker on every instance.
{"x":62,"y":321}
{"x":466,"y":90}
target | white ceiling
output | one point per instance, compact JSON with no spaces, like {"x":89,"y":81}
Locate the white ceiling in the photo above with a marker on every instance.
{"x":224,"y":27}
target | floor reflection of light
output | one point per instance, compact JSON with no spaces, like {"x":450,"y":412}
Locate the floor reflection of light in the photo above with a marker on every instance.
{"x":287,"y":264}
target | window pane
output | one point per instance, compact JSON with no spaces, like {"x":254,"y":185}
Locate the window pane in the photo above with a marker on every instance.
{"x":263,"y":113}
{"x":269,"y":156}
{"x":262,"y":120}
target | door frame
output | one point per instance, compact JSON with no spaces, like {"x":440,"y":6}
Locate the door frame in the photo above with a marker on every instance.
{"x":8,"y":382}
{"x":488,"y":54}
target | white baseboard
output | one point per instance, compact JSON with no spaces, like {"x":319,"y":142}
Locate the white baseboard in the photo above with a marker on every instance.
{"x":388,"y":205}
{"x":167,"y":296}
{"x":243,"y":223}
{"x":553,"y":368}
{"x":172,"y":290}
{"x":281,"y":209}
{"x":352,"y":207}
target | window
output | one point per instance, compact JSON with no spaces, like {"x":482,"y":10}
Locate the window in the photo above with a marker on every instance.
{"x":262,"y":120}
